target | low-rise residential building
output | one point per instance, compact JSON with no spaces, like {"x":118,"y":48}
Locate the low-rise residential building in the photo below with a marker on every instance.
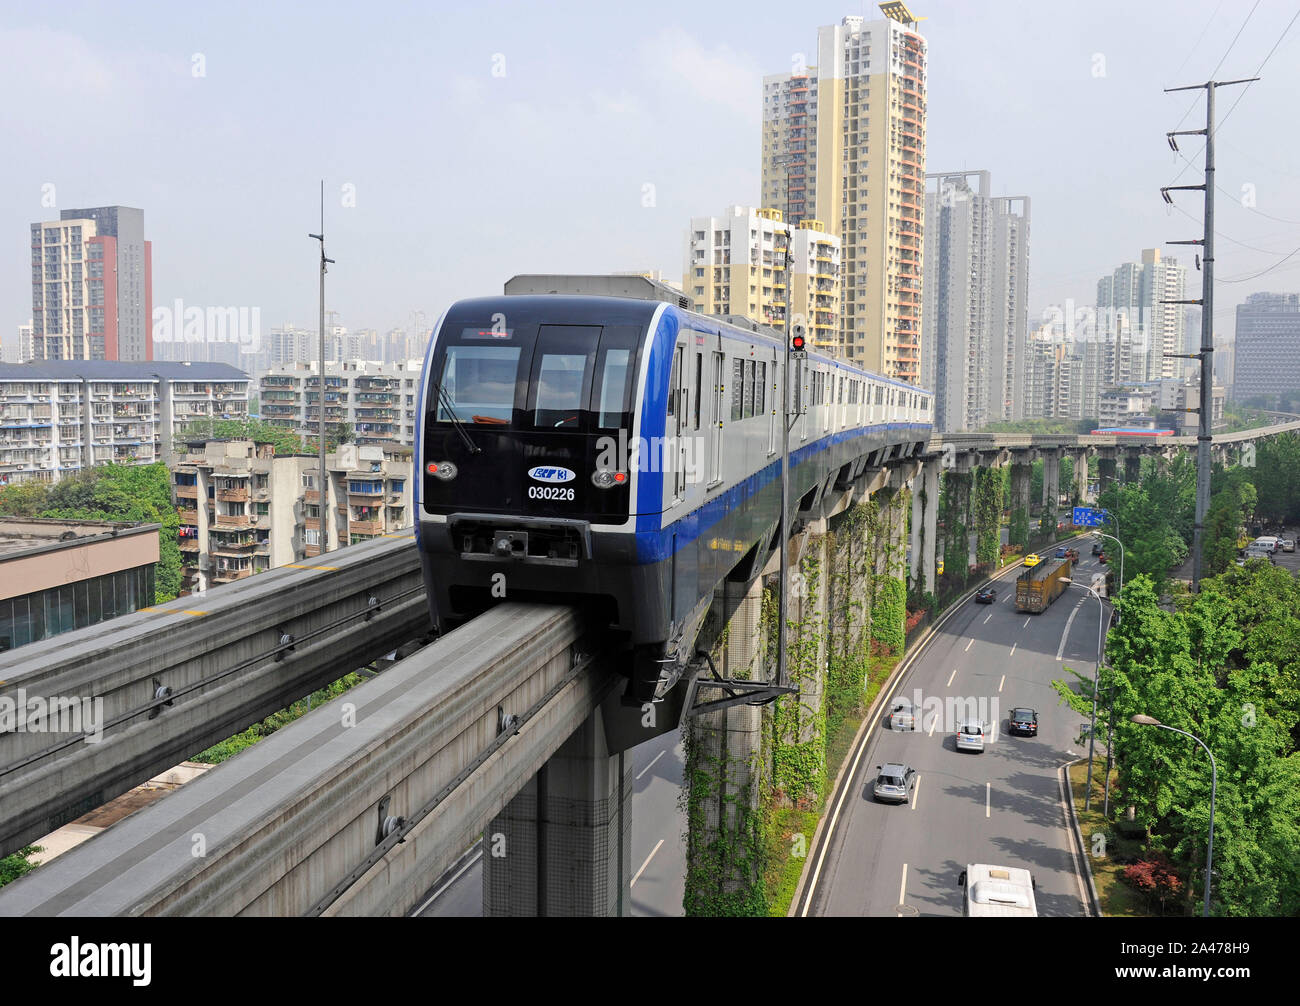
{"x":60,"y":417}
{"x":243,"y":510}
{"x":59,"y":575}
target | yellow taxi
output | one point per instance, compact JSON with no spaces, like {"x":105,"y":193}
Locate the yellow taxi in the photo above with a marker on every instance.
{"x":1033,"y":559}
{"x":939,"y":568}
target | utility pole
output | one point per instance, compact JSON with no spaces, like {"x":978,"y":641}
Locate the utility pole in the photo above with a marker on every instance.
{"x":1206,"y":301}
{"x":324,"y":485}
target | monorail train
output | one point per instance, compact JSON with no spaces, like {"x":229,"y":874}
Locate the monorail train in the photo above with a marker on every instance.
{"x":624,"y":455}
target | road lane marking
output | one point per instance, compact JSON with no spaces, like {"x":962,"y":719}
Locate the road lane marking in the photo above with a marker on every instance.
{"x":917,"y":790}
{"x":1066,"y":634}
{"x":646,"y":863}
{"x":1002,"y":682}
{"x":902,"y":888}
{"x":934,"y":719}
{"x":196,"y":614}
{"x":1026,"y":625}
{"x":988,"y":798}
{"x":650,"y":766}
{"x":950,"y":677}
{"x":987,"y":617}
{"x":970,"y":644}
{"x":1013,"y":650}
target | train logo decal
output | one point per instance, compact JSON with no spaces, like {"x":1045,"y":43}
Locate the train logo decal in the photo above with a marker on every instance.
{"x":551,"y":474}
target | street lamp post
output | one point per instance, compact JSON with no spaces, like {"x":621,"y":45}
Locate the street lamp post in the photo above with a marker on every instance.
{"x":1102,"y":534}
{"x":1151,"y":721}
{"x":1092,"y":730}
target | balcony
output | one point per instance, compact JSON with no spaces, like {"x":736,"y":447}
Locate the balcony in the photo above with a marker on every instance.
{"x":236,"y":549}
{"x":233,"y":495}
{"x":365,"y":527}
{"x":230,"y":575}
{"x":189,"y":545}
{"x":188,"y":516}
{"x":233,"y":520}
{"x":366,"y":494}
{"x":187,"y":492}
{"x":311,"y":496}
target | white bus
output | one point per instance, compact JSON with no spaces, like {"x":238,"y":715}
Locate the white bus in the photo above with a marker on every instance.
{"x":1005,"y":891}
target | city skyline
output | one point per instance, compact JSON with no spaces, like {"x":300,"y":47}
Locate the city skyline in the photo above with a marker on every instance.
{"x":229,"y":227}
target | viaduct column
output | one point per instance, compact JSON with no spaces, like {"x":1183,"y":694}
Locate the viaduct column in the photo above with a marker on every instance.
{"x":925,"y":522}
{"x":1051,"y":479}
{"x":1081,"y":475}
{"x":563,"y":845}
{"x":1132,"y":466}
{"x":724,"y":777}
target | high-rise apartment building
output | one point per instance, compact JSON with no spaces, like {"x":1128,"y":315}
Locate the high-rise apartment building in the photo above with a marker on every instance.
{"x":844,"y":143}
{"x":1267,"y":356}
{"x":976,"y":302}
{"x":376,"y":400}
{"x":262,"y":511}
{"x":59,"y":417}
{"x":92,"y":286}
{"x":1052,"y":378}
{"x":1141,"y":292}
{"x":750,"y":263}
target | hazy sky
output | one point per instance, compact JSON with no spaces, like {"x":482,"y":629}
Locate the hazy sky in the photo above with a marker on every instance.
{"x":480,"y":140}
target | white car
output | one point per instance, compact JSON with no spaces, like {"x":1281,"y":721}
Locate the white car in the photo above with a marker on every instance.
{"x":970,"y":737}
{"x":1288,"y":544}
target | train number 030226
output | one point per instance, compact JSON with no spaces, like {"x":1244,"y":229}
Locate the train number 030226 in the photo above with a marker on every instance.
{"x":550,"y":493}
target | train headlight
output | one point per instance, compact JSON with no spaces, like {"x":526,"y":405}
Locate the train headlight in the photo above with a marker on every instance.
{"x":607,"y":480}
{"x":444,"y":470}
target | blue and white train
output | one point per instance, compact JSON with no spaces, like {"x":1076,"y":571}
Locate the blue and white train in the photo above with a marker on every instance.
{"x":624,"y":455}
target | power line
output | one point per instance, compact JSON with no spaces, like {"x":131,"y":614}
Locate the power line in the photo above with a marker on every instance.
{"x":1233,"y":197}
{"x":1216,"y":68}
{"x":1246,"y":279}
{"x":1233,"y":106}
{"x":1218,"y":233}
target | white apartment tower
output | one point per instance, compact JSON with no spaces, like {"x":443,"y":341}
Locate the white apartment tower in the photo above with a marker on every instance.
{"x":976,"y":302}
{"x":844,"y":143}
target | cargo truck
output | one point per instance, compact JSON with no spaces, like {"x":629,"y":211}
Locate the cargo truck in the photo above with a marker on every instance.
{"x":1040,"y":585}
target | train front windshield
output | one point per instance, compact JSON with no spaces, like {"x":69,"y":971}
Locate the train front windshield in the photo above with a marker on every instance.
{"x":524,"y":414}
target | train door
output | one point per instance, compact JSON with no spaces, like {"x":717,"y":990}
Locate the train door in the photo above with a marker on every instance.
{"x":715,"y":445}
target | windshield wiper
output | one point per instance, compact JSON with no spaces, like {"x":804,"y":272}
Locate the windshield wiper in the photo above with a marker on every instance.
{"x":445,"y":399}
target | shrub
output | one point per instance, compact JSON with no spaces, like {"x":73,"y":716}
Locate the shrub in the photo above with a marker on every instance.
{"x":1154,"y":877}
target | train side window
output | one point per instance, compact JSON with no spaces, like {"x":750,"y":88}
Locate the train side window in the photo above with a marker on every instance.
{"x":611,"y":402}
{"x":737,"y":390}
{"x":749,"y":389}
{"x":674,"y":379}
{"x":699,"y":386}
{"x":760,"y":389}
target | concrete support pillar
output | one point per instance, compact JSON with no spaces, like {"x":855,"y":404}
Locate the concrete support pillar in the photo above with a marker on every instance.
{"x":1020,"y":479}
{"x":562,"y":846}
{"x":1106,"y":470}
{"x":1051,"y":479}
{"x":925,"y":538}
{"x":724,"y":776}
{"x":1081,"y":476}
{"x":1132,"y":466}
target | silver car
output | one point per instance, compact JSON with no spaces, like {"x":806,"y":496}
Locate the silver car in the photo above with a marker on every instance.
{"x":1288,"y":544}
{"x":970,"y":737}
{"x":894,"y":783}
{"x":901,"y":715}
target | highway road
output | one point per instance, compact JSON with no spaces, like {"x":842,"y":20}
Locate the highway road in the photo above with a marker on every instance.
{"x":1003,"y":806}
{"x":658,"y":843}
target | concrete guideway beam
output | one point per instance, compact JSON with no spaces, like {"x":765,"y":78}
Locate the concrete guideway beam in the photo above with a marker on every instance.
{"x":294,"y":825}
{"x":218,"y":655}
